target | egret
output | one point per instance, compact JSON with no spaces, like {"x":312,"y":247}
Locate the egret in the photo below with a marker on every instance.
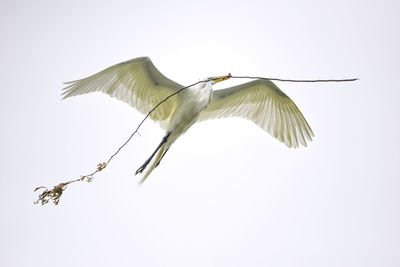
{"x":139,"y":83}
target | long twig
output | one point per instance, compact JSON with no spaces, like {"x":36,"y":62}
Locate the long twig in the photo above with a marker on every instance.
{"x":55,"y":193}
{"x":296,"y":81}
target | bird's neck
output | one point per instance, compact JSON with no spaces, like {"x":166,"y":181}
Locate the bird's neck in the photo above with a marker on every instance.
{"x":204,"y":86}
{"x":201,"y":92}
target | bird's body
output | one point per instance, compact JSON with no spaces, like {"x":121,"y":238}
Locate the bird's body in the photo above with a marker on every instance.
{"x":192,"y":102}
{"x":141,"y":85}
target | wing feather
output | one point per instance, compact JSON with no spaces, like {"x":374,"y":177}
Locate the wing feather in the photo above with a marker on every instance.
{"x":262,"y":102}
{"x":136,"y":82}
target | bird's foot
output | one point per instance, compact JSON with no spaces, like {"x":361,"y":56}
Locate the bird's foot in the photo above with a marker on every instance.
{"x":141,"y":169}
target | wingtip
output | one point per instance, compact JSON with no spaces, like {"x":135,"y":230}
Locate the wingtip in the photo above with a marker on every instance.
{"x":63,"y":97}
{"x":70,"y":82}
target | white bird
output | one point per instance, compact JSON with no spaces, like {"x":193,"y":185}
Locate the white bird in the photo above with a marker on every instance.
{"x":138,"y":83}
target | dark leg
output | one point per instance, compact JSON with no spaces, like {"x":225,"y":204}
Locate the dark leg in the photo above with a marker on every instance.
{"x":141,"y":169}
{"x":158,"y":163}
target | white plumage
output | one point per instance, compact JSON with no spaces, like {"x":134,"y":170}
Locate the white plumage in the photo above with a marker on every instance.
{"x":138,"y":83}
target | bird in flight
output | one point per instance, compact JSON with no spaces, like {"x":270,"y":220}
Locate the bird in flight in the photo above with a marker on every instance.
{"x":139,"y":83}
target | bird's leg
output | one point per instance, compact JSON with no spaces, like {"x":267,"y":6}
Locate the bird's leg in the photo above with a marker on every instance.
{"x":141,"y":169}
{"x":165,"y":152}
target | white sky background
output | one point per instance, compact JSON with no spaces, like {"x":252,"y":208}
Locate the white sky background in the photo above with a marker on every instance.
{"x":227,"y":193}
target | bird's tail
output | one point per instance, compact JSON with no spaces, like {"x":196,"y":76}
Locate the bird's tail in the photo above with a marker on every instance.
{"x":155,"y":162}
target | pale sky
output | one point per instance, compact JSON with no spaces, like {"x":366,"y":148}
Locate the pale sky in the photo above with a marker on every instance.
{"x":227,"y":193}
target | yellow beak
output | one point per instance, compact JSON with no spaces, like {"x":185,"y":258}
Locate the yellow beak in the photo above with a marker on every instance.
{"x":222,"y":78}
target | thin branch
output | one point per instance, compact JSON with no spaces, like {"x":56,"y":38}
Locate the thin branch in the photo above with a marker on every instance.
{"x":55,"y":193}
{"x":297,"y":81}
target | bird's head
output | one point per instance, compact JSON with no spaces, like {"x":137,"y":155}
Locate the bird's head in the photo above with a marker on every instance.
{"x":217,"y":79}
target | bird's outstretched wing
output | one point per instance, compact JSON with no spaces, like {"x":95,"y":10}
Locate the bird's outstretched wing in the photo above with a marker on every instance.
{"x":136,"y":82}
{"x":266,"y":105}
